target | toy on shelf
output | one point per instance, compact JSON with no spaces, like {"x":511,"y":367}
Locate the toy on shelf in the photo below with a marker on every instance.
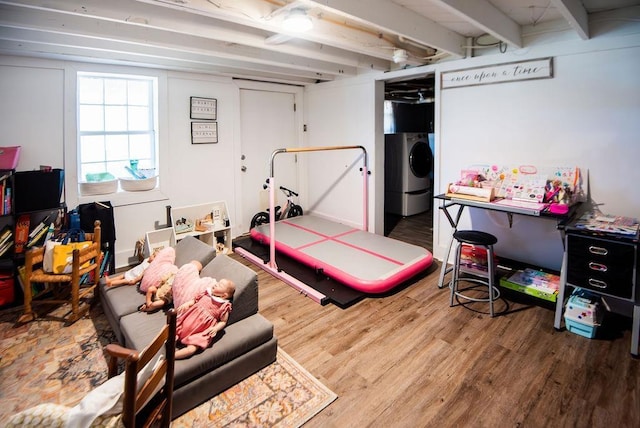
{"x":183,"y":225}
{"x":470,"y":187}
{"x":556,"y":187}
{"x":204,"y":224}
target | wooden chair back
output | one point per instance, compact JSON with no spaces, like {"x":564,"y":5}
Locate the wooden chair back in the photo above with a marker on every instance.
{"x":142,"y":406}
{"x":84,"y":261}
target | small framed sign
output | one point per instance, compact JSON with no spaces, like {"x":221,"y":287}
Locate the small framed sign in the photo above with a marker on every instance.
{"x":204,"y":132}
{"x":204,"y":108}
{"x":507,"y":72}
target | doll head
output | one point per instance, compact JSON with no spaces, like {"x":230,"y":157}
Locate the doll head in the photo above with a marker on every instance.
{"x":225,"y":288}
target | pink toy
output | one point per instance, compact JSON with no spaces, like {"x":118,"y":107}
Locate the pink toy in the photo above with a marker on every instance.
{"x":558,"y":208}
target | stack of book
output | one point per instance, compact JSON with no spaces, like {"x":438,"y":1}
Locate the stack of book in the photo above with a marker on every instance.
{"x":534,"y":283}
{"x":5,"y":194}
{"x":6,"y":240}
{"x":40,"y":233}
{"x":609,"y":224}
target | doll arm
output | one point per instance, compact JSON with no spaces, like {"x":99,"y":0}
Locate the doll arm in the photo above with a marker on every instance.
{"x":186,"y":305}
{"x":219,"y":326}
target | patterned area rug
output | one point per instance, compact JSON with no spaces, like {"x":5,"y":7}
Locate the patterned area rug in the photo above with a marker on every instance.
{"x":44,"y":362}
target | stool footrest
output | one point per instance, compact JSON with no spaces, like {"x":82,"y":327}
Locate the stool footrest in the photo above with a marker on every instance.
{"x":496,"y":292}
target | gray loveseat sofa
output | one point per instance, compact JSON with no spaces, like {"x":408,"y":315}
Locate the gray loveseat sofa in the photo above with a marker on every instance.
{"x":246,"y":345}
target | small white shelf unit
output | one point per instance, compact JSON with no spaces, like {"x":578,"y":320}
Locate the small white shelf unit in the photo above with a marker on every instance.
{"x":158,"y":239}
{"x":208,"y":222}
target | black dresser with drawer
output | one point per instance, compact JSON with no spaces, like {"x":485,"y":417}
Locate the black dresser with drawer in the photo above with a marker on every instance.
{"x":605,"y":264}
{"x":602,"y":264}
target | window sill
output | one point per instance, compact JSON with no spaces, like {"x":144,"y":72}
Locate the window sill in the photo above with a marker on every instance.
{"x":126,"y":198}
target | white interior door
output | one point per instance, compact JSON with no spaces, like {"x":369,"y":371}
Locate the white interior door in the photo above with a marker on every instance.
{"x":268,"y":123}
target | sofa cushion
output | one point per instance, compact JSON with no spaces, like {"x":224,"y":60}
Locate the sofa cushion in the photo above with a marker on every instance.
{"x":191,"y":248}
{"x":140,"y":328}
{"x":245,"y":299}
{"x":236,"y":340}
{"x":122,"y":300}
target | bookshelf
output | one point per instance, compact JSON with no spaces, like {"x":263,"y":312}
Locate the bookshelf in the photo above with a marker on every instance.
{"x":208,"y":222}
{"x":27,"y":217}
{"x":6,"y":217}
{"x":7,"y":277}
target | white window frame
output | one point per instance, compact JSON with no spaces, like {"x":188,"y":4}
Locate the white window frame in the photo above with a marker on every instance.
{"x":72,"y":161}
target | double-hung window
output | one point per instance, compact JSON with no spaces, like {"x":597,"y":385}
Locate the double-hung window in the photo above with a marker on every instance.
{"x":117,"y":125}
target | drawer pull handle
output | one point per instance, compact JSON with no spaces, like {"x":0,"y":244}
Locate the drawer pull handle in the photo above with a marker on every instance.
{"x":599,"y":267}
{"x":598,"y":250}
{"x":597,"y":283}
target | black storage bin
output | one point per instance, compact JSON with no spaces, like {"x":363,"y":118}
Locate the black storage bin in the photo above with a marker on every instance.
{"x":37,"y":190}
{"x":102,"y":211}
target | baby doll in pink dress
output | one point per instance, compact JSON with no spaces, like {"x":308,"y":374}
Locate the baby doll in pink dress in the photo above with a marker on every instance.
{"x":203,"y":306}
{"x":161,"y":267}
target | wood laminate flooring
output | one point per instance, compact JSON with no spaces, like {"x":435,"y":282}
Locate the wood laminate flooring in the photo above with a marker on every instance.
{"x":416,"y":229}
{"x":407,"y":359}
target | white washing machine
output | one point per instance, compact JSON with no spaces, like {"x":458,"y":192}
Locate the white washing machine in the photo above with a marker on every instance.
{"x":408,"y":165}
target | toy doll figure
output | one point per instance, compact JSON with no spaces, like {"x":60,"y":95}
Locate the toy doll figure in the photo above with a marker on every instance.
{"x":202,"y":318}
{"x":132,"y":276}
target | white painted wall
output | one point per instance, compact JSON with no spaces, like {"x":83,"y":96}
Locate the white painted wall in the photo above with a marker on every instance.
{"x":34,"y":115}
{"x":341,"y":113}
{"x":586,"y":115}
{"x":31,"y":113}
{"x":197,"y":173}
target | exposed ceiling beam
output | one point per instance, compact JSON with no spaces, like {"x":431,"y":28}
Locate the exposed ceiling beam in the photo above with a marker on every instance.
{"x":400,"y":20}
{"x":62,"y":45}
{"x":78,"y":53}
{"x":183,"y":31}
{"x":98,"y":32}
{"x":252,"y":13}
{"x":575,"y":14}
{"x":484,"y":15}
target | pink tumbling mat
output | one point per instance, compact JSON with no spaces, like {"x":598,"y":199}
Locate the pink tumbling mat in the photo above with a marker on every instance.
{"x":358,"y":259}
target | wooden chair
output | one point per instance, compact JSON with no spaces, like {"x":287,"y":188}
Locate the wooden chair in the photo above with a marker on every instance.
{"x":157,"y":412}
{"x":62,"y":288}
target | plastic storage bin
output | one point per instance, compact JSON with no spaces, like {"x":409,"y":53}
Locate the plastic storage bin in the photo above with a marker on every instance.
{"x":9,"y":157}
{"x":584,"y":307}
{"x":6,"y":288}
{"x":582,"y":314}
{"x":581,"y":328}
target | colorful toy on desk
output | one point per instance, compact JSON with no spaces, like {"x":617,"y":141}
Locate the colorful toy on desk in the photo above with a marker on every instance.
{"x":470,"y":187}
{"x":559,"y":209}
{"x":557,"y":195}
{"x":470,"y":179}
{"x":469,"y":192}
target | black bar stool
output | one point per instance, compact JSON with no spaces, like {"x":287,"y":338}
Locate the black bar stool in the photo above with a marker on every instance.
{"x":478,"y":239}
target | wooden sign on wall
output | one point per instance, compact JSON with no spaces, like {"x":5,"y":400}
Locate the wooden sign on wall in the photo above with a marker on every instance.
{"x":509,"y":72}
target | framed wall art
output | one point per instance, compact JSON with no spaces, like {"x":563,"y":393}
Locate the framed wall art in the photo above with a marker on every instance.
{"x":204,"y":132}
{"x":204,"y":108}
{"x":498,"y":73}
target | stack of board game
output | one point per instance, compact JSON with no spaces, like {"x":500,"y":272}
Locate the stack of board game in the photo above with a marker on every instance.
{"x":534,"y":283}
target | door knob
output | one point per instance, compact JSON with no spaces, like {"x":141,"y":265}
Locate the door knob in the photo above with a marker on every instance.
{"x":243,"y":168}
